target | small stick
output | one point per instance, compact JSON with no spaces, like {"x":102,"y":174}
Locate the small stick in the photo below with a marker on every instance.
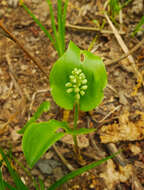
{"x":92,"y":29}
{"x":112,"y":62}
{"x":124,"y":47}
{"x":68,"y":165}
{"x":33,"y":99}
{"x":119,"y":157}
{"x":111,"y":112}
{"x":12,"y":37}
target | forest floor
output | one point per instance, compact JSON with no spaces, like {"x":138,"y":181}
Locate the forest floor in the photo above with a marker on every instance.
{"x":120,"y":117}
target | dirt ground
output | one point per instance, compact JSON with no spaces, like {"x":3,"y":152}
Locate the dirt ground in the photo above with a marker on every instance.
{"x":120,"y":117}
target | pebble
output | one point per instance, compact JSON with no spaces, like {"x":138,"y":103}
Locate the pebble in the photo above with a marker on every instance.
{"x":47,"y":166}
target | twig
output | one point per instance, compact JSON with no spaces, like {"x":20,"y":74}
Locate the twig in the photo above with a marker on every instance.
{"x":13,"y":76}
{"x":100,"y":153}
{"x":12,"y":37}
{"x":85,"y":28}
{"x":124,"y":48}
{"x":111,"y":112}
{"x":33,"y":99}
{"x":119,"y":157}
{"x":14,"y":79}
{"x":21,"y":105}
{"x":68,"y":165}
{"x":126,"y":54}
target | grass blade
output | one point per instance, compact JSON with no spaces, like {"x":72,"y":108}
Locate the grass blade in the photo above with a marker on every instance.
{"x":2,"y":186}
{"x":78,"y":172}
{"x":39,"y":23}
{"x":64,"y":19}
{"x":138,"y":26}
{"x":18,"y":182}
{"x":54,"y":26}
{"x":42,"y":187}
{"x":60,"y":26}
{"x":8,"y":186}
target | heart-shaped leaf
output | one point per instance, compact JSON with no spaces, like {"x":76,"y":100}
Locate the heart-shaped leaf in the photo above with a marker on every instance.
{"x":94,"y":74}
{"x":38,"y":137}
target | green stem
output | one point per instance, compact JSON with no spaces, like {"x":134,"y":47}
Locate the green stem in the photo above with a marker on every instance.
{"x":76,"y":108}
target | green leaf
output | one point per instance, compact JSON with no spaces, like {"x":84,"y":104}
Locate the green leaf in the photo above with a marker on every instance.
{"x":38,"y":137}
{"x":94,"y":70}
{"x":78,"y":172}
{"x":44,"y":107}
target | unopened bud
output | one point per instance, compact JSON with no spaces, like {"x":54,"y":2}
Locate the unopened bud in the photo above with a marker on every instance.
{"x":69,"y":90}
{"x":68,"y":84}
{"x":82,"y":92}
{"x":76,"y":90}
{"x":84,"y":81}
{"x":77,"y":96}
{"x":84,"y":87}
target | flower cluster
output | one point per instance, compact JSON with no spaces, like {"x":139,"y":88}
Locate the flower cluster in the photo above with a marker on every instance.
{"x":77,"y":83}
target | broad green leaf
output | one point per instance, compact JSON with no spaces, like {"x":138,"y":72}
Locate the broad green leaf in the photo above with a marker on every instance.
{"x":38,"y":137}
{"x":44,"y":107}
{"x":78,"y":172}
{"x":92,"y":67}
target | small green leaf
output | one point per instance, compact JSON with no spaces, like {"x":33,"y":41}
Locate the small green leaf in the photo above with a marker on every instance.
{"x":44,"y":107}
{"x":93,"y":69}
{"x":38,"y":137}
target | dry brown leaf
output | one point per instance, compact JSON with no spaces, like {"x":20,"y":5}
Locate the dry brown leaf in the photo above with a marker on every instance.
{"x":124,"y":131}
{"x":14,"y":134}
{"x":113,"y":176}
{"x":83,"y":141}
{"x":135,"y":149}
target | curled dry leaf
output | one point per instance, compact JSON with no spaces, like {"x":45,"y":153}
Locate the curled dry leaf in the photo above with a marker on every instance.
{"x":83,"y":141}
{"x":124,"y":131}
{"x":135,"y":149}
{"x":113,"y":176}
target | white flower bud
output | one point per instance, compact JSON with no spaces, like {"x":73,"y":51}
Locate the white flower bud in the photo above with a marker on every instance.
{"x":77,"y":96}
{"x":84,"y":81}
{"x":76,"y":90}
{"x":71,"y":77}
{"x":82,"y":76}
{"x":74,"y":80}
{"x":68,"y":84}
{"x":69,"y":90}
{"x":82,"y":92}
{"x":84,"y":87}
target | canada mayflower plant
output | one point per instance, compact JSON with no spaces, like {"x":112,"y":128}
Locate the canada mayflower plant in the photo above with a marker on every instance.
{"x":76,"y":84}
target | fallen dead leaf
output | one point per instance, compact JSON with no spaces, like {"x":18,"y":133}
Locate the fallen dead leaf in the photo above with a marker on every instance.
{"x":83,"y":141}
{"x":125,"y":130}
{"x":113,"y":176}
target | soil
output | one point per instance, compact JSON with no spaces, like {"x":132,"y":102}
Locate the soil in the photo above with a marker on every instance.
{"x":120,"y":117}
